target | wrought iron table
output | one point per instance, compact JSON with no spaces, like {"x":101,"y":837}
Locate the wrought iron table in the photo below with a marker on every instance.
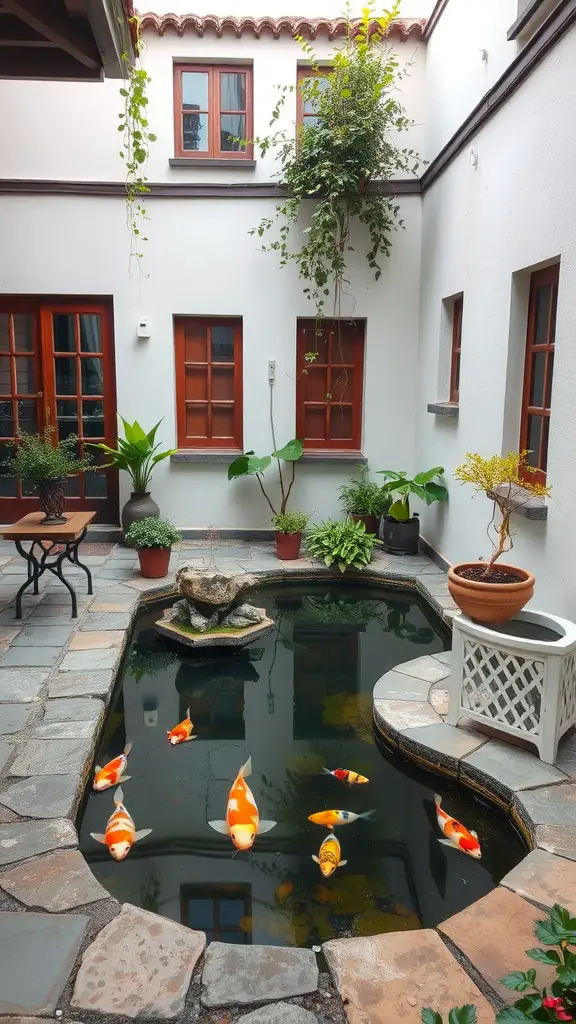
{"x":49,"y":547}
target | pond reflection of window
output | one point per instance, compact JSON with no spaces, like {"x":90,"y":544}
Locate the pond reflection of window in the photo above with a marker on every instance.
{"x":219,"y":713}
{"x":222,"y":911}
{"x":324,"y":665}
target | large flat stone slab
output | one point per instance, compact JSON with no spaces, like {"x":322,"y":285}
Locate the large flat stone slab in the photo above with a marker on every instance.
{"x":52,"y":757}
{"x":256,"y":974}
{"x":37,"y":954}
{"x":26,"y":839}
{"x":494,"y":934}
{"x":139,"y":965}
{"x":426,"y":668}
{"x":446,"y":743}
{"x":399,"y":715}
{"x":81,"y":684}
{"x":13,"y":718}
{"x":76,"y":709}
{"x":65,"y":731}
{"x":544,"y":878}
{"x":44,"y":796}
{"x":512,"y":768}
{"x":6,"y":750}
{"x":96,"y":640}
{"x":82,"y":661}
{"x":279,"y":1013}
{"x":394,"y":685}
{"x":33,"y":656}
{"x":560,"y":839}
{"x":391,"y":977}
{"x":21,"y":685}
{"x":35,"y":634}
{"x":106,"y":620}
{"x":59,"y":881}
{"x":552,"y":805}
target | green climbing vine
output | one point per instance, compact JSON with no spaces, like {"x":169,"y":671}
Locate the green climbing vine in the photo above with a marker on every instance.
{"x":330,"y":167}
{"x":136,"y":139}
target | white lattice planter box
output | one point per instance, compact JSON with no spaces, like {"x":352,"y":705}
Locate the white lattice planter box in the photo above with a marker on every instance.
{"x":524,"y":685}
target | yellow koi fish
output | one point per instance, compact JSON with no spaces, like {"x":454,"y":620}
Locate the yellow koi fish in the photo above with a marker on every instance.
{"x":329,"y":856}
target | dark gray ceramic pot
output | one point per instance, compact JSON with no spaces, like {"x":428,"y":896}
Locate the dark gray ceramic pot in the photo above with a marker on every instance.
{"x":400,"y":538}
{"x":139,"y":506}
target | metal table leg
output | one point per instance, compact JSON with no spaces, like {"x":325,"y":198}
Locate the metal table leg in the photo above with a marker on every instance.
{"x":38,"y":566}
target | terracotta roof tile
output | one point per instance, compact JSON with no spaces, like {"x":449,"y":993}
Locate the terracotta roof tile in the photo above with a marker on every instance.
{"x":307,"y":27}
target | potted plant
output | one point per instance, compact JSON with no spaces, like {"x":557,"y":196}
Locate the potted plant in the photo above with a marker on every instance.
{"x":364,"y":501}
{"x":250,"y":464}
{"x":137,"y":454}
{"x":342,"y":543}
{"x":481,"y":590}
{"x":46,"y":462}
{"x":289,"y":528}
{"x":153,"y":539}
{"x":400,"y":530}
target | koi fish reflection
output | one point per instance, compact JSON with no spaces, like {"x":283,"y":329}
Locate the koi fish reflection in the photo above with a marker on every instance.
{"x":243,"y":822}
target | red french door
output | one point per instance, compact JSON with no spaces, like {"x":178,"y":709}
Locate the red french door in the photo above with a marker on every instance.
{"x":57,"y":367}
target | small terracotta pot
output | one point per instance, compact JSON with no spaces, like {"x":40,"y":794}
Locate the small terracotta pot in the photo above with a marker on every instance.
{"x":154,"y":562}
{"x":288,"y":545}
{"x":370,"y":522}
{"x":490,"y":602}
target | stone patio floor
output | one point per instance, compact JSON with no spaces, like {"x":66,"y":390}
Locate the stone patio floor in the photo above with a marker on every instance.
{"x":68,"y":949}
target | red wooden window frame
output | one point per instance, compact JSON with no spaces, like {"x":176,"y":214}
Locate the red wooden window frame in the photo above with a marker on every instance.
{"x":214,"y":111}
{"x":350,"y":376}
{"x":457,"y":310}
{"x":301,"y":74}
{"x":184,"y":440}
{"x":540,"y":279}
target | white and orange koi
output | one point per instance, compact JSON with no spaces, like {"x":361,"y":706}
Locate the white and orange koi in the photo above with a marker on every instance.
{"x":328,"y":857}
{"x":112,"y":774}
{"x":120,"y":834}
{"x":243,"y":822}
{"x":182,"y":732}
{"x":456,"y":834}
{"x":332,"y":818}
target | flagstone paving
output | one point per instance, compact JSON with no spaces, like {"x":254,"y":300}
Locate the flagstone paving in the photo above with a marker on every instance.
{"x":137,"y":964}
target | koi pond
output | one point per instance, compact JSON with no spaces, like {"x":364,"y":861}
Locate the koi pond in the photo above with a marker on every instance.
{"x":298,"y":700}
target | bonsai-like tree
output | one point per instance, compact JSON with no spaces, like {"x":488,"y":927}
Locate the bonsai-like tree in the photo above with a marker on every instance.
{"x":509,"y":481}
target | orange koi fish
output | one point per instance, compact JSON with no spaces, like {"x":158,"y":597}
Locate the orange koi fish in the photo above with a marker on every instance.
{"x":329,"y":856}
{"x":352,"y":778}
{"x":120,"y":834}
{"x":332,"y":818}
{"x":242,"y":819}
{"x":283,"y":891}
{"x":456,"y":834}
{"x":113,"y":772}
{"x":182,"y":732}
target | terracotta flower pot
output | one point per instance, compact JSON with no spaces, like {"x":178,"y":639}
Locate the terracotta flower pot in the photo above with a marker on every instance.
{"x":154,"y":562}
{"x":490,"y":602}
{"x":370,"y":522}
{"x":288,"y":545}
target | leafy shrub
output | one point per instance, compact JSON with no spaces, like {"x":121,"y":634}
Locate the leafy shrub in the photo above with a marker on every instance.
{"x":291,"y":521}
{"x":422,"y":486}
{"x":137,"y":454}
{"x":152,"y":533}
{"x":345,"y":543}
{"x":363,"y":497}
{"x":37,"y":457}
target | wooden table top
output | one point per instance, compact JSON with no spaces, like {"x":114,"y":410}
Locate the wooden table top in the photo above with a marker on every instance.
{"x":29,"y":527}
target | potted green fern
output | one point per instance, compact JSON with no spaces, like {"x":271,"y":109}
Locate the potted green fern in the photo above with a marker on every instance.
{"x":46,"y":462}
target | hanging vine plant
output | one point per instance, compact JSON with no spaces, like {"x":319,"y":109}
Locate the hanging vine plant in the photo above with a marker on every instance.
{"x":334,"y":161}
{"x":136,"y":137}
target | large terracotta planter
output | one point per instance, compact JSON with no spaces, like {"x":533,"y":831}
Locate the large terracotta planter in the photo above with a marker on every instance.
{"x":490,"y":602}
{"x":370,"y":522}
{"x":288,"y":545}
{"x":154,"y":562}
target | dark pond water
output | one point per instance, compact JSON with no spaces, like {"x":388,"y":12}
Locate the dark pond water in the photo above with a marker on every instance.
{"x":299,"y":699}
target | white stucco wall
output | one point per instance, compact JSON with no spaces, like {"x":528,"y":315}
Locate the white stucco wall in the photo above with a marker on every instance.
{"x":481,"y":228}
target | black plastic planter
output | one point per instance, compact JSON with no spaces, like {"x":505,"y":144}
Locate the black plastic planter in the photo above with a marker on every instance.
{"x":400,"y":538}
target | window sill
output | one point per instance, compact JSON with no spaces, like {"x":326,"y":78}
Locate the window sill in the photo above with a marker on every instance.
{"x":444,"y":409}
{"x":330,"y":457}
{"x":221,"y":456}
{"x":532,"y":508}
{"x":523,"y":20}
{"x":191,"y":161}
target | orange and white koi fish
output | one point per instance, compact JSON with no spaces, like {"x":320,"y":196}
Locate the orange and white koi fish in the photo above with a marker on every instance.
{"x":456,"y":834}
{"x":182,"y":732}
{"x":352,"y":778}
{"x":243,"y":822}
{"x":332,"y":818}
{"x":120,"y":834}
{"x":329,"y":856}
{"x":113,"y":772}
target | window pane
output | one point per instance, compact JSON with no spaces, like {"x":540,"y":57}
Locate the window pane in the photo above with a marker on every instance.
{"x":25,"y":375}
{"x":6,"y":419}
{"x":5,"y":380}
{"x":341,"y":423}
{"x":8,"y":486}
{"x":90,"y":332}
{"x":315,"y":345}
{"x":96,"y":485}
{"x":65,"y":370}
{"x":315,"y":423}
{"x":63,"y":328}
{"x":23,"y":332}
{"x":545,"y":428}
{"x":310,"y":119}
{"x":319,"y":85}
{"x":196,"y":383}
{"x":197,"y":421}
{"x":195,"y":90}
{"x":195,"y":133}
{"x":315,"y":386}
{"x":549,"y":382}
{"x":26,"y":409}
{"x":223,"y":421}
{"x":92,"y":377}
{"x":200,"y":913}
{"x":533,"y":441}
{"x":232,"y":91}
{"x":543,"y":297}
{"x":230,"y":910}
{"x":237,"y":938}
{"x":4,"y":336}
{"x":195,"y":343}
{"x":67,"y":416}
{"x":223,"y":383}
{"x":456,"y":381}
{"x":232,"y":128}
{"x":222,"y":344}
{"x":342,"y":346}
{"x":342,"y":385}
{"x":93,"y":419}
{"x":537,"y":385}
{"x":73,"y":486}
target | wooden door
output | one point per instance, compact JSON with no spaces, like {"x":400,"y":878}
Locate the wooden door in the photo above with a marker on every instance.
{"x":57,"y":367}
